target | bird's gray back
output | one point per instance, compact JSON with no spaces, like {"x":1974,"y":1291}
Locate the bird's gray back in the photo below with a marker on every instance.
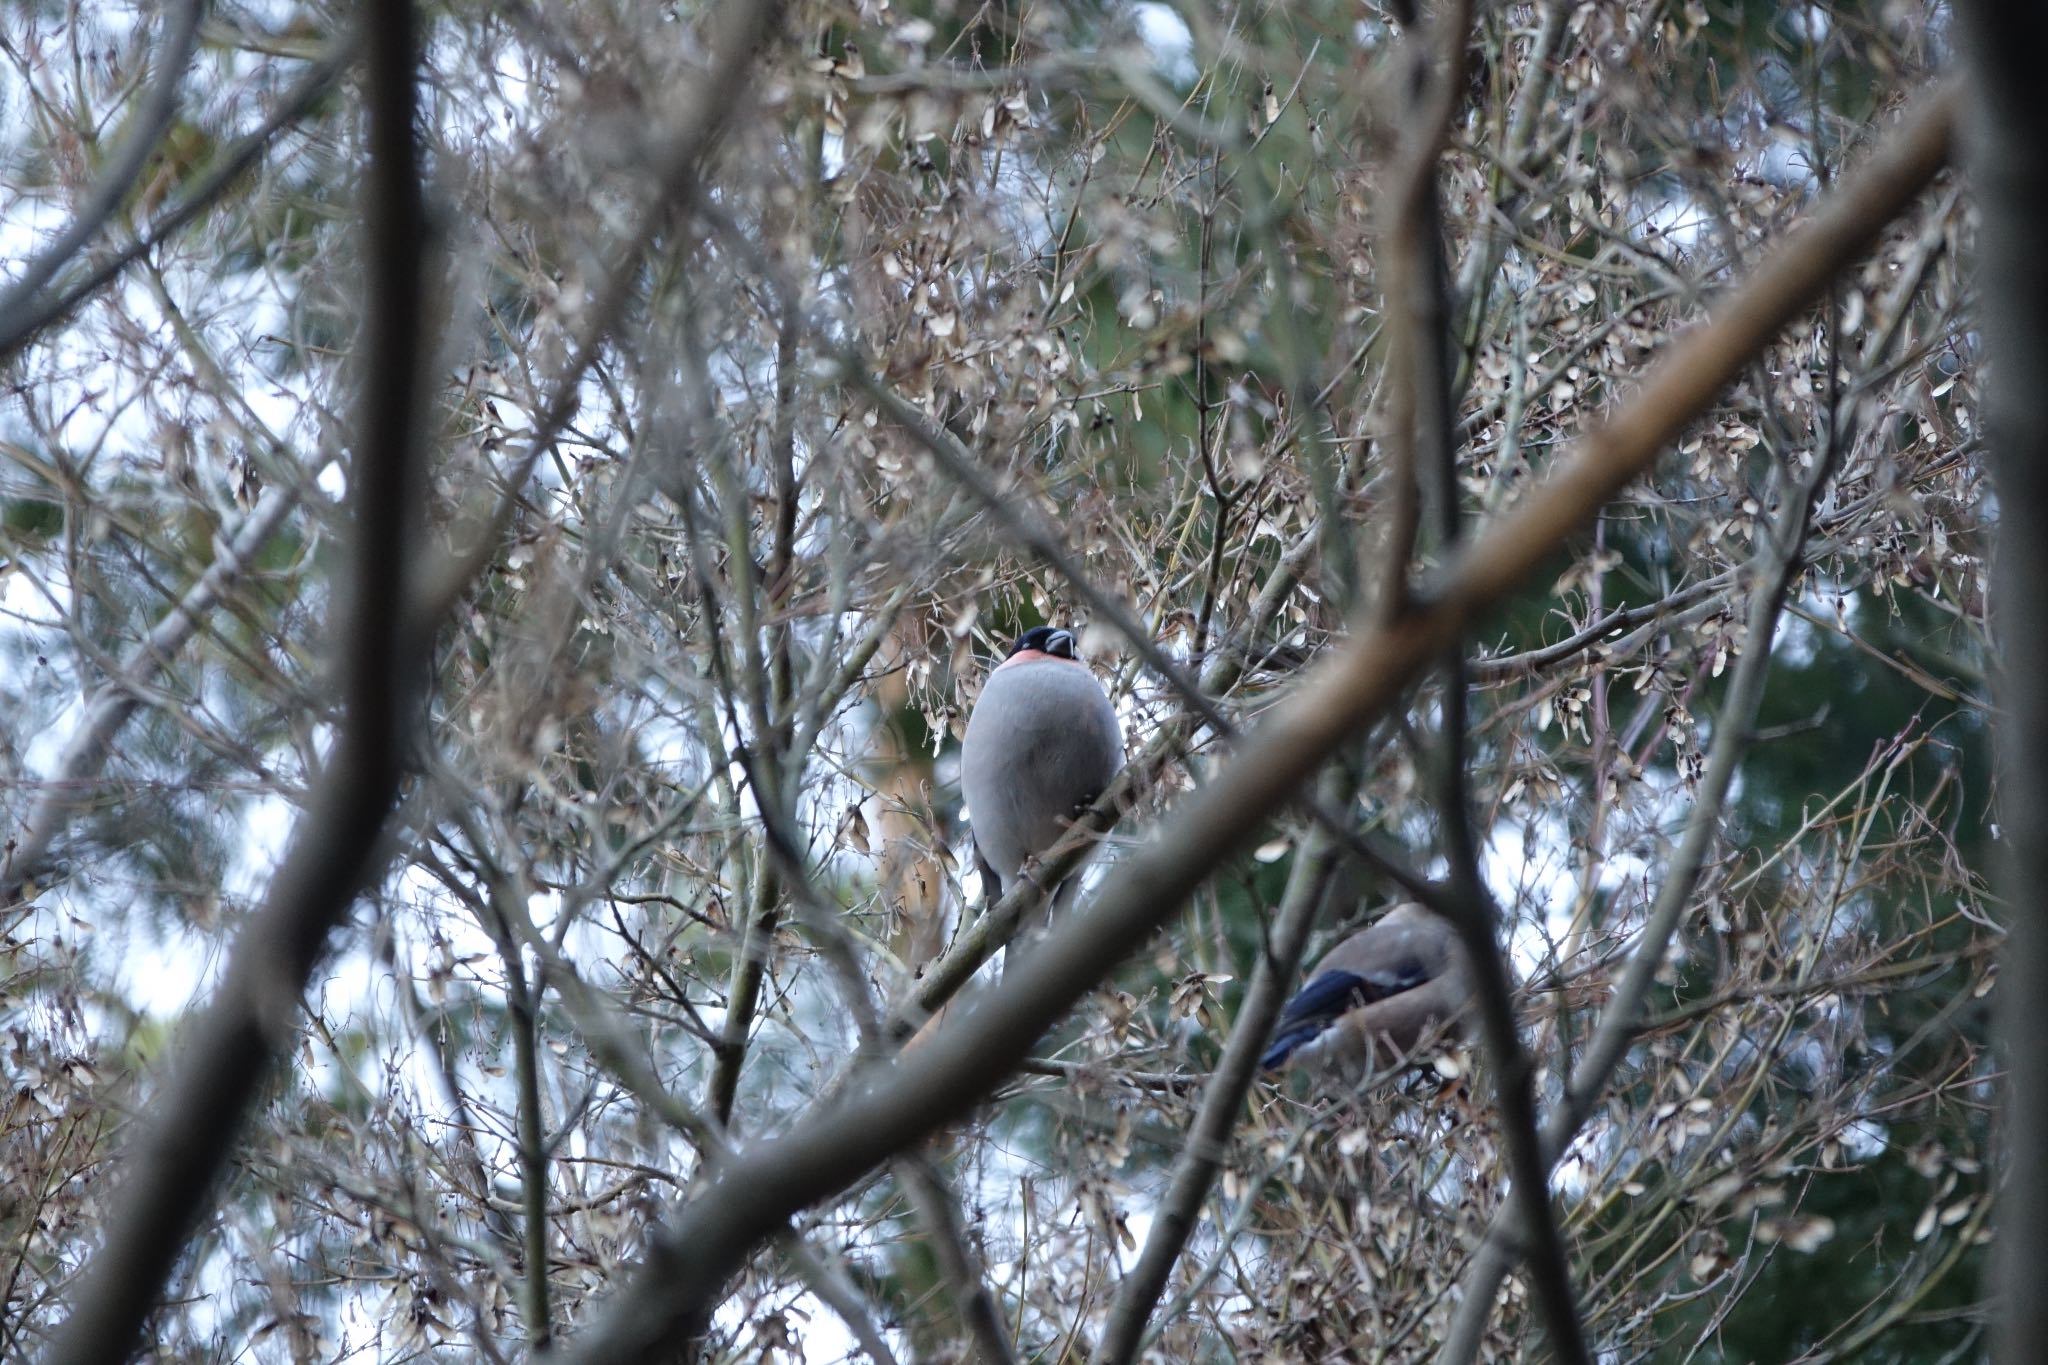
{"x":1407,"y":933}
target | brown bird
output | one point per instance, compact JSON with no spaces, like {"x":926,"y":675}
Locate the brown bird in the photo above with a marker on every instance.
{"x":1377,"y":994}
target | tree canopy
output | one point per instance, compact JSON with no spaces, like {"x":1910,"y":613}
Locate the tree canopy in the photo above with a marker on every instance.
{"x":505,"y":511}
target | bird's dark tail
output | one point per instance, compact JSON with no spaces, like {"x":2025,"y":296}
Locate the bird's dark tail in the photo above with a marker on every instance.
{"x":1284,"y":1045}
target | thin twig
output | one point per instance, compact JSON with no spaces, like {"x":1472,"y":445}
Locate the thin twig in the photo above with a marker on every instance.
{"x":17,"y":329}
{"x":938,"y":1210}
{"x":1208,"y":1141}
{"x":145,"y":129}
{"x":69,"y":787}
{"x":837,"y":1293}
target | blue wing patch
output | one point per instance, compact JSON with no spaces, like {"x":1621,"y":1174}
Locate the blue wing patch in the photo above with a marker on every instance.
{"x":1312,"y":1010}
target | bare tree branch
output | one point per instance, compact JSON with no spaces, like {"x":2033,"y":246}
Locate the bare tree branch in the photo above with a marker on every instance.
{"x":831,"y":1286}
{"x":1424,"y":406}
{"x":1208,"y":1142}
{"x":938,"y":1211}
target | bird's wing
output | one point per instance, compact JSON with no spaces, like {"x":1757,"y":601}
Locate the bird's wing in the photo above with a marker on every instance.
{"x":1330,"y":995}
{"x":1362,"y":1038}
{"x":1326,"y":996}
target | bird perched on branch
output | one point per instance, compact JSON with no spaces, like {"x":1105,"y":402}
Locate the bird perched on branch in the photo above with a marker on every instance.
{"x":1377,"y":994}
{"x":1042,"y":744}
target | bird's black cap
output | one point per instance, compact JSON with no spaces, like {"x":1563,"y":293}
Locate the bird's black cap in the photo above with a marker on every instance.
{"x":1046,"y":639}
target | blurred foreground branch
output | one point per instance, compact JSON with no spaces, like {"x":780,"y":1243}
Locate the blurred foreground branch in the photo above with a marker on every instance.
{"x":2009,"y":166}
{"x":379,"y":653}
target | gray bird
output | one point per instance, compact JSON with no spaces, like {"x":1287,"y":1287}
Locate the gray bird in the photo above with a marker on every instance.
{"x":1041,"y":746}
{"x":1376,"y":994}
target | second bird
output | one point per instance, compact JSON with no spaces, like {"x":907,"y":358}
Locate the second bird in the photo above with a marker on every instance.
{"x":1042,"y":744}
{"x":1377,"y":994}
